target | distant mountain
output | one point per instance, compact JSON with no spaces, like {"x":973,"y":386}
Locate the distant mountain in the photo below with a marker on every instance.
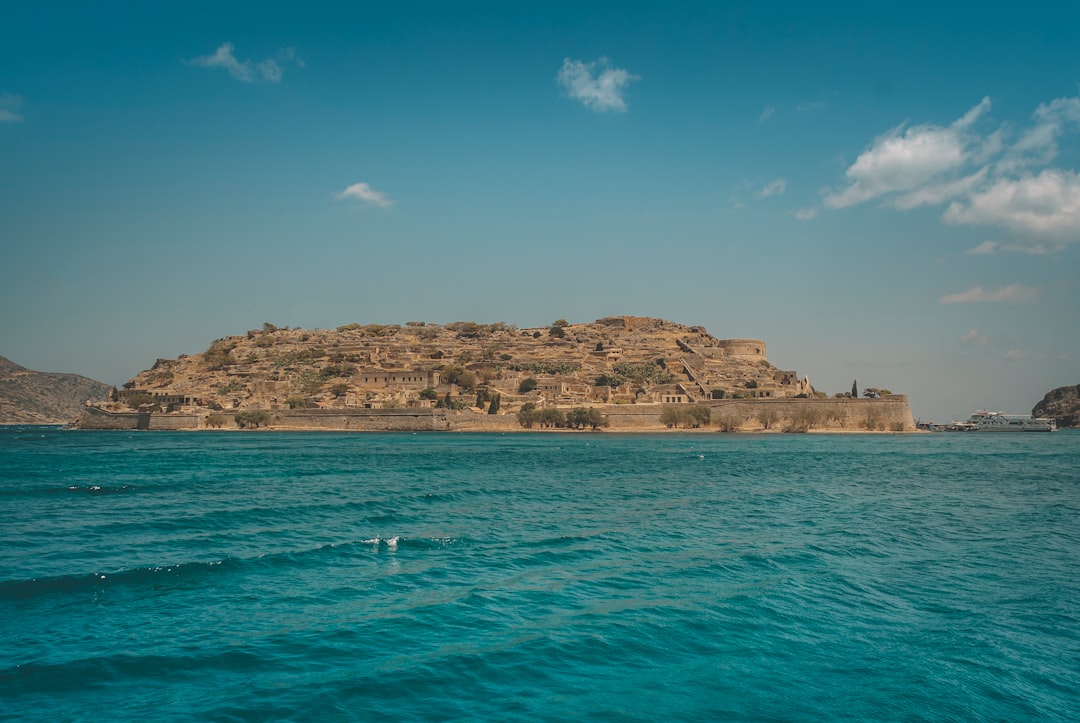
{"x":29,"y":397}
{"x":1063,"y":404}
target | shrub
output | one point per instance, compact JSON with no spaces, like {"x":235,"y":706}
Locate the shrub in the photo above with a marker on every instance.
{"x":608,"y":380}
{"x":253,"y":418}
{"x":230,"y":387}
{"x":768,"y":417}
{"x":297,"y":402}
{"x":339,"y":390}
{"x":428,"y":393}
{"x":717,"y":394}
{"x":217,"y":421}
{"x":581,"y":417}
{"x":527,"y":385}
{"x":217,"y":356}
{"x":557,"y":332}
{"x":137,"y":400}
{"x":728,"y":423}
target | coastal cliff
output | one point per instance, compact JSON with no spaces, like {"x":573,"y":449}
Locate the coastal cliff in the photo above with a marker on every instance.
{"x":1063,"y":404}
{"x":30,"y":397}
{"x":633,"y":372}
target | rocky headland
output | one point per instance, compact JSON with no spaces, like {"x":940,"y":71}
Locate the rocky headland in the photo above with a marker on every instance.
{"x":30,"y":397}
{"x":1063,"y":404}
{"x":620,"y":372}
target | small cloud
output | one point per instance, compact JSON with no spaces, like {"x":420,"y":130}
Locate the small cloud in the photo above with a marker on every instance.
{"x":367,"y":194}
{"x":811,"y":106}
{"x":989,"y":248}
{"x":1013,"y":294}
{"x":9,"y":106}
{"x":805,"y":214}
{"x":986,"y":248}
{"x":1017,"y":354}
{"x":773,"y":188}
{"x":974,"y":337}
{"x":1065,"y":357}
{"x":248,"y":71}
{"x":766,"y":113}
{"x":600,"y":92}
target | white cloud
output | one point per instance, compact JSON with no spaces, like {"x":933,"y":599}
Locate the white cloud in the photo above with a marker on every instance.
{"x":766,"y":113}
{"x":602,"y":92}
{"x":366,"y":193}
{"x":986,"y":248}
{"x":975,"y":338}
{"x":1039,"y":143}
{"x":905,"y":160}
{"x":805,"y":214}
{"x":9,"y":106}
{"x":248,"y":71}
{"x":1013,"y":294}
{"x":773,"y":188}
{"x":1044,"y":208}
{"x":1016,"y":354}
{"x":989,"y":179}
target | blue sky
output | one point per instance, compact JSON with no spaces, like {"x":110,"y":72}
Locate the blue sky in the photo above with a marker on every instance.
{"x":884,"y":194}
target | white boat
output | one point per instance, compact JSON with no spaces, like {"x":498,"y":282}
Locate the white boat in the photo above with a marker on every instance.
{"x":984,"y":421}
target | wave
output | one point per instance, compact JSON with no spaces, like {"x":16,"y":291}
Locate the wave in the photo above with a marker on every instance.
{"x":187,"y":573}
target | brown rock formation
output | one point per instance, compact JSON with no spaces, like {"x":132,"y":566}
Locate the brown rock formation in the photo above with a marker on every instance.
{"x":1063,"y":404}
{"x":29,"y":397}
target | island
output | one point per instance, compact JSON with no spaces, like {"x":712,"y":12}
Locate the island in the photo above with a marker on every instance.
{"x":619,"y":373}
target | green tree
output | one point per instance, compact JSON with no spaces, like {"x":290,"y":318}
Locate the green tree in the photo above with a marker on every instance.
{"x":527,"y":416}
{"x":428,"y":393}
{"x":699,"y":415}
{"x":608,"y":380}
{"x":552,"y":417}
{"x":768,"y":418}
{"x":253,"y":418}
{"x":494,"y":408}
{"x":217,"y":421}
{"x":140,"y":398}
{"x":527,"y":385}
{"x":669,"y":416}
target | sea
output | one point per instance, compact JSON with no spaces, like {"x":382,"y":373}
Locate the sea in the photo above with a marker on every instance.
{"x":278,"y":576}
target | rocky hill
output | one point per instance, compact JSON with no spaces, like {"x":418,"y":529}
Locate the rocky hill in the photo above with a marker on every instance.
{"x":1063,"y":404}
{"x":613,"y":360}
{"x":29,"y":397}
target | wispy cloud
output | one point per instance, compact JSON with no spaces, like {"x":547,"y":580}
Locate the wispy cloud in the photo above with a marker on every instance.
{"x":773,"y":188}
{"x":597,"y":85}
{"x":766,"y":113}
{"x":908,"y":159}
{"x":9,"y":107}
{"x":805,"y":214}
{"x":367,"y":194}
{"x":811,"y":106}
{"x":1013,"y":294}
{"x":974,"y":337}
{"x":989,"y":178}
{"x":270,"y":69}
{"x":1017,"y":354}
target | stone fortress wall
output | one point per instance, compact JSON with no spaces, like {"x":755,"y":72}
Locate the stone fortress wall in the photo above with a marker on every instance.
{"x":890,"y":413}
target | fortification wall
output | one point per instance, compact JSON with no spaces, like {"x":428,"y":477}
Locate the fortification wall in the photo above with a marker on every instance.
{"x":94,"y":418}
{"x":890,"y":413}
{"x":748,"y":348}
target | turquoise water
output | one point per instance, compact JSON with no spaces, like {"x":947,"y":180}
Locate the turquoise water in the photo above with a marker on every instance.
{"x":399,"y":577}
